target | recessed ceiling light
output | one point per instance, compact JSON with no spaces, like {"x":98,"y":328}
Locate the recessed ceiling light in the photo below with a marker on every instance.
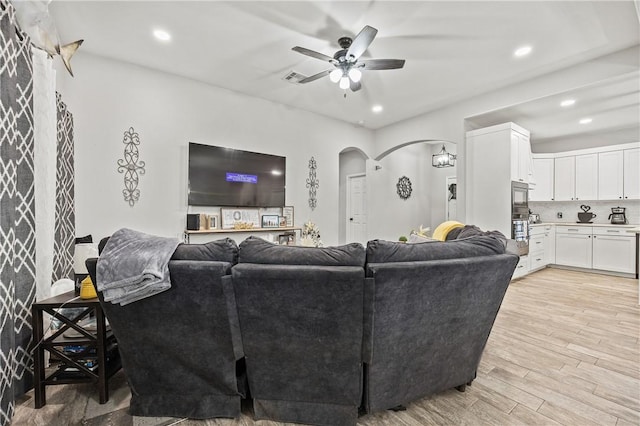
{"x":376,"y":108}
{"x":162,"y":35}
{"x":522,"y":51}
{"x":586,"y":121}
{"x":567,"y":102}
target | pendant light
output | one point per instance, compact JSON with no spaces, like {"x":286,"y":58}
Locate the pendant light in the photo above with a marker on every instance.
{"x":443,"y":159}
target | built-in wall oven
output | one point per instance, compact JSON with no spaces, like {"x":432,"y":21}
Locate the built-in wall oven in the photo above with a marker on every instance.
{"x":520,"y":216}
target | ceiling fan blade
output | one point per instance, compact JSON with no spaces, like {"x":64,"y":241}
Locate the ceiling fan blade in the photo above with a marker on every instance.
{"x":381,"y":64}
{"x":315,"y":77}
{"x":361,"y":42}
{"x":313,"y":54}
{"x":354,"y":86}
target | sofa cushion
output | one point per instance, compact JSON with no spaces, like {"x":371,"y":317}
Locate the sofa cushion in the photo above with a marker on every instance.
{"x":224,"y":250}
{"x":257,"y":250}
{"x":379,"y":251}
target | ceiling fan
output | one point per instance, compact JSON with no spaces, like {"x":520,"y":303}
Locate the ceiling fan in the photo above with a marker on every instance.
{"x":346,"y":62}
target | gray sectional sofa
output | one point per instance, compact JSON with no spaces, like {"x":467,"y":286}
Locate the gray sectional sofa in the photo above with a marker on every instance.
{"x":310,"y":335}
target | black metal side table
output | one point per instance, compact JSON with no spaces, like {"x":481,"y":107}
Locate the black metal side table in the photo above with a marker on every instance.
{"x":90,"y":357}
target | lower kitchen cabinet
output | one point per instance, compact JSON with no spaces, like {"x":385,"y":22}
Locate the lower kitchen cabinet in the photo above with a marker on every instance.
{"x":607,"y":248}
{"x":614,"y":252}
{"x":522,"y":268}
{"x":573,"y":246}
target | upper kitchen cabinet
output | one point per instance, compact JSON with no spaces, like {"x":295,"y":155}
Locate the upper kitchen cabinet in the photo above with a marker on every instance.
{"x":587,"y":177}
{"x":632,"y":174}
{"x":576,"y":177}
{"x":520,"y":155}
{"x":543,"y":172}
{"x":564,"y":178}
{"x":618,"y":175}
{"x":611,"y":175}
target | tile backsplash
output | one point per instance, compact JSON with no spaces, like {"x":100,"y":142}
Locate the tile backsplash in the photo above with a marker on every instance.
{"x":570,"y":209}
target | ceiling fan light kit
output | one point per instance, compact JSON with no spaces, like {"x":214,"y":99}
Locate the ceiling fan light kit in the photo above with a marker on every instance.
{"x":347,"y":66}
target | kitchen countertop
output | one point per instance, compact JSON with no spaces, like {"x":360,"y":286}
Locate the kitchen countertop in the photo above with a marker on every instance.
{"x":585,"y":224}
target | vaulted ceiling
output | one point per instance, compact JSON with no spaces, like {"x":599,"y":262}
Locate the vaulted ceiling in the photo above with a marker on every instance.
{"x":453,"y":49}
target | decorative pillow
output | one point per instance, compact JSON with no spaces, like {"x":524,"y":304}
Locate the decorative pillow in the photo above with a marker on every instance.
{"x":444,"y":228}
{"x":224,"y":250}
{"x":417,"y":238}
{"x":257,"y":250}
{"x":380,"y":251}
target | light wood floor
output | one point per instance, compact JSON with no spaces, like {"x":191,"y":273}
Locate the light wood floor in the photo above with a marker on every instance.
{"x":564,"y":350}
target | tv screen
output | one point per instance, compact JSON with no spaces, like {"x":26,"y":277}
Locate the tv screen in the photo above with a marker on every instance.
{"x":229,"y":177}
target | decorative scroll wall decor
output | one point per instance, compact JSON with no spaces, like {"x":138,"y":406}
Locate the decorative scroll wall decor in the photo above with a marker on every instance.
{"x":131,"y":166}
{"x":313,"y":183}
{"x":404,"y":187}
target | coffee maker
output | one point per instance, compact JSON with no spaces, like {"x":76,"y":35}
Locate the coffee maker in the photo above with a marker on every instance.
{"x":617,"y":216}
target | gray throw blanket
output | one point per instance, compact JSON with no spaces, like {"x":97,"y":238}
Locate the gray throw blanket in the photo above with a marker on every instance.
{"x":134,"y":265}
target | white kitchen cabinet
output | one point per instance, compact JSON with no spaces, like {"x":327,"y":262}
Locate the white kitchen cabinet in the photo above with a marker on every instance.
{"x":536,"y":250}
{"x":632,"y":174}
{"x":614,"y":250}
{"x":573,"y":246}
{"x":522,"y":268}
{"x":564,"y":178}
{"x":586,"y":177}
{"x":576,"y":178}
{"x":611,"y":175}
{"x":520,"y":156}
{"x":491,"y":163}
{"x":543,"y":174}
{"x":542,"y":246}
{"x":549,"y":244}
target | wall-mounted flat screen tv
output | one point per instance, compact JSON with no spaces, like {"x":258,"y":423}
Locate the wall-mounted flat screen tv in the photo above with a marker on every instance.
{"x":229,"y":177}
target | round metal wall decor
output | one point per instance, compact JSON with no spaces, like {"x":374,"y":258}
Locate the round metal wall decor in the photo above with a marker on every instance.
{"x":404,"y":187}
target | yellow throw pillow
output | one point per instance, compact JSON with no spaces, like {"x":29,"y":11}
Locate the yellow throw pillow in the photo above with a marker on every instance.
{"x":444,"y":228}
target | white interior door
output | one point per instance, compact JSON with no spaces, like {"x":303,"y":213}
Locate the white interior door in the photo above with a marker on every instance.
{"x":356,"y":209}
{"x":451,"y":204}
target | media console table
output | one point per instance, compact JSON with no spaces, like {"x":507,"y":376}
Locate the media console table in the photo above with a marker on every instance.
{"x":238,"y":232}
{"x":90,"y":357}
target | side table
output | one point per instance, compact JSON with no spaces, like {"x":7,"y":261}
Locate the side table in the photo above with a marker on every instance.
{"x":92,"y":357}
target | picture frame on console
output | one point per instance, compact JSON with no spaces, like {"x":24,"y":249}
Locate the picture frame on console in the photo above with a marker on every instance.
{"x":240,"y":218}
{"x":287,"y":212}
{"x":270,"y":221}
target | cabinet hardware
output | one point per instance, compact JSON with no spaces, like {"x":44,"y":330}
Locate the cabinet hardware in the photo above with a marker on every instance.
{"x":613,"y":230}
{"x":538,"y":259}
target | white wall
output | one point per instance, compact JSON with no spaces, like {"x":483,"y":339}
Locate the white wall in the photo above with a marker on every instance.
{"x":389,"y":215}
{"x":351,"y":162}
{"x":107,"y":97}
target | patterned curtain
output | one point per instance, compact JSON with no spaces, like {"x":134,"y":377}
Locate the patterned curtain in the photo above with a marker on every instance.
{"x":17,"y":211}
{"x":65,"y":220}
